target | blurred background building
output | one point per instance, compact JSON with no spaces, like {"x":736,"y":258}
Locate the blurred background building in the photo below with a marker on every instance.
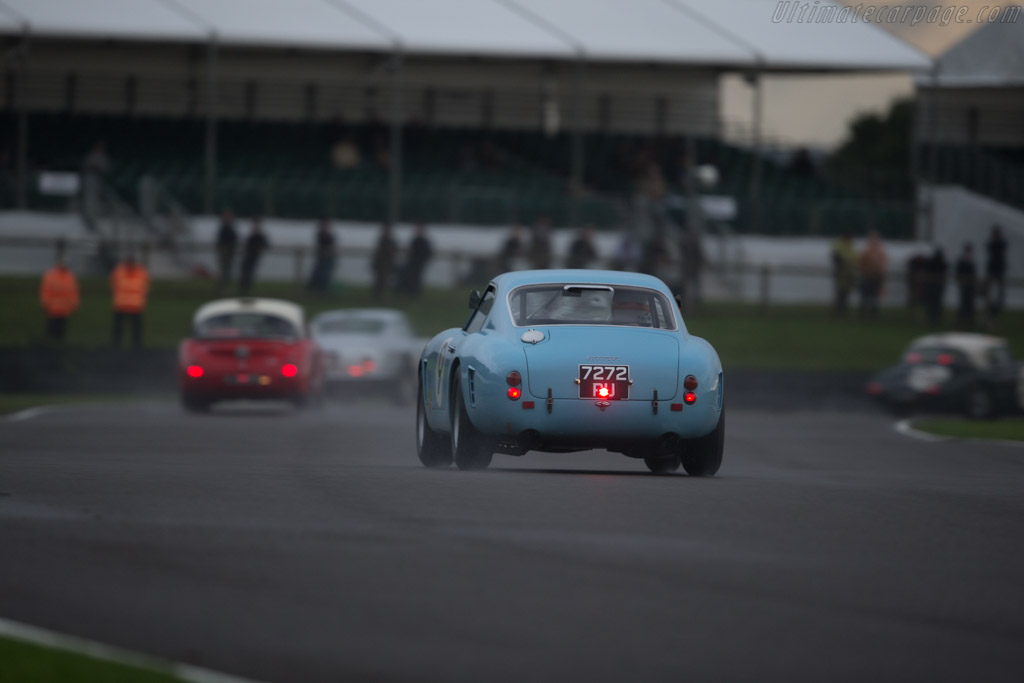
{"x":143,"y":119}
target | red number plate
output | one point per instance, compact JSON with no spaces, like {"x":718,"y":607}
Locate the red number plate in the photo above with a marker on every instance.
{"x":604,"y":382}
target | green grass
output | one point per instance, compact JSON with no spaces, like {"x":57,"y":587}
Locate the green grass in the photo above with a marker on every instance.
{"x":1009,"y":428}
{"x":22,"y":662}
{"x":12,"y":403}
{"x":805,"y":338}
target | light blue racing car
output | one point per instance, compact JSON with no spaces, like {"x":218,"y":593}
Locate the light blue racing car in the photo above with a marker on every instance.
{"x":572,"y":360}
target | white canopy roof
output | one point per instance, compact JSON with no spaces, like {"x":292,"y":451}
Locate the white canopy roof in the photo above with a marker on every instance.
{"x":638,"y":30}
{"x":125,"y":19}
{"x":992,"y":56}
{"x":723,"y":33}
{"x":783,"y":44}
{"x":305,"y":23}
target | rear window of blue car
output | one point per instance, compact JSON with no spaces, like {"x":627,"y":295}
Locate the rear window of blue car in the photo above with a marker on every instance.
{"x":588,"y":304}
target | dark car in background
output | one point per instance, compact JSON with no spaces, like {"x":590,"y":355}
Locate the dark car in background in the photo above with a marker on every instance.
{"x":970,"y":373}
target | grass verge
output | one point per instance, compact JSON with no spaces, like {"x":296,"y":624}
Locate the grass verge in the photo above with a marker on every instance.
{"x":1011,"y":429}
{"x":806,"y":338}
{"x":13,"y":402}
{"x":22,"y":662}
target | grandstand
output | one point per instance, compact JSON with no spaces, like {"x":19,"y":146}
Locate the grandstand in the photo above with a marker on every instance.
{"x":460,"y":111}
{"x":971,"y":107}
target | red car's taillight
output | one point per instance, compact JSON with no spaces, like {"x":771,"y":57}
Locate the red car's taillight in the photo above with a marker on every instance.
{"x":195,"y":371}
{"x":289,"y":370}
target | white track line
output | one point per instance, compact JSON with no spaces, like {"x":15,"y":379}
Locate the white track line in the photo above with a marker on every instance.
{"x":905,"y":428}
{"x":29,"y":413}
{"x":90,"y":648}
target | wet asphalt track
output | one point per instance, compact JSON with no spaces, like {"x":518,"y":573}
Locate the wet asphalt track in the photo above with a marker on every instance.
{"x":313,"y":547}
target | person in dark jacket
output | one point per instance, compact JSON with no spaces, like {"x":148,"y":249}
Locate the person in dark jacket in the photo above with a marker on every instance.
{"x":967,"y":284}
{"x":383,"y":260}
{"x":935,"y":287}
{"x":227,"y":243}
{"x":420,"y":252}
{"x":582,"y":251}
{"x":540,"y":244}
{"x":255,"y":245}
{"x":323,"y":259}
{"x":511,"y":250}
{"x":995,"y":271}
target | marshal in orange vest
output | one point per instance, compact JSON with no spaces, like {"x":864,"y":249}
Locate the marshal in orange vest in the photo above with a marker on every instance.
{"x":130,"y":283}
{"x":58,"y":292}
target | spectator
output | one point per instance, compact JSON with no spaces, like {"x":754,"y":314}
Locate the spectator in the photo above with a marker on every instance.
{"x":844,"y":271}
{"x":383,"y":260}
{"x":323,"y":258}
{"x":801,"y":164}
{"x":873,"y":261}
{"x":59,"y":297}
{"x":917,"y":277}
{"x":96,"y":162}
{"x":540,"y":244}
{"x":582,"y":251}
{"x":255,"y":245}
{"x":420,"y":251}
{"x":935,"y":287}
{"x":967,"y":282}
{"x":995,"y":271}
{"x":656,"y":255}
{"x":628,"y":254}
{"x":227,"y":243}
{"x":345,"y":155}
{"x":130,"y":285}
{"x":692,"y":257}
{"x":95,"y":167}
{"x":511,"y":250}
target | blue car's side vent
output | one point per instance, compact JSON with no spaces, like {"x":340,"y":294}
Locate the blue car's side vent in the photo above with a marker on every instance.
{"x":472,"y":387}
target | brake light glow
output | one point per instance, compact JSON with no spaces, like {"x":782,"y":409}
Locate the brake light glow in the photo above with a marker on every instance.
{"x":195,"y":371}
{"x":603,"y":392}
{"x":944,"y":359}
{"x":355,"y":370}
{"x":289,"y":370}
{"x":690,"y":383}
{"x":369,"y":366}
{"x":514,"y":393}
{"x":689,"y":398}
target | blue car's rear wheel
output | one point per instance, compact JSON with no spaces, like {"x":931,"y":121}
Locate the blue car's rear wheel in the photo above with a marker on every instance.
{"x":703,"y":456}
{"x":432,"y":448}
{"x":471,"y":450}
{"x":662,"y":464}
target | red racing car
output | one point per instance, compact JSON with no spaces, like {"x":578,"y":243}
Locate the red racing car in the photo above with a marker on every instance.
{"x":249,"y":348}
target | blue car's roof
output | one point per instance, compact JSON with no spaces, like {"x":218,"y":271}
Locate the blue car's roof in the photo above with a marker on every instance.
{"x":582,"y":276}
